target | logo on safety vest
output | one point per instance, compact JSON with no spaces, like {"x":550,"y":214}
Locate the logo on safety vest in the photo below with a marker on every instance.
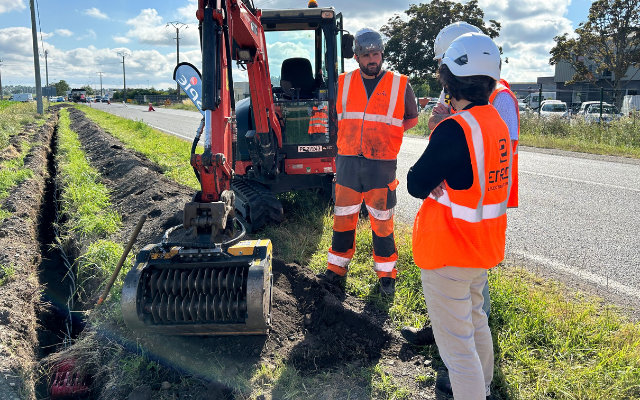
{"x":503,"y":151}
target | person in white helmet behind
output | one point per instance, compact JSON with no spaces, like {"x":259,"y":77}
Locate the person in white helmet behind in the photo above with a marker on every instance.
{"x":460,"y":231}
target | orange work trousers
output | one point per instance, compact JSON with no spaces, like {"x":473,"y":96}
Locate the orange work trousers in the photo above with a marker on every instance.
{"x":374,"y":181}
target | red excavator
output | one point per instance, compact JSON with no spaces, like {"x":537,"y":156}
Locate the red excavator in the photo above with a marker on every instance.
{"x":281,"y":138}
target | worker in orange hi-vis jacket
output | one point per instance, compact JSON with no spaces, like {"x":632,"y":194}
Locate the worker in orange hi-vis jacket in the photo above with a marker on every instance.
{"x":374,"y":108}
{"x":464,"y":177}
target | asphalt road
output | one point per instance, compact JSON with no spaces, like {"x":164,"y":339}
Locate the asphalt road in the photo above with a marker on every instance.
{"x":578,"y":217}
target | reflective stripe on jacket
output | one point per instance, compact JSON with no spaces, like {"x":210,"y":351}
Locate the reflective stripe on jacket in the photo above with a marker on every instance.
{"x":466,"y":228}
{"x":371,"y":127}
{"x":319,"y":122}
{"x":513,"y":195}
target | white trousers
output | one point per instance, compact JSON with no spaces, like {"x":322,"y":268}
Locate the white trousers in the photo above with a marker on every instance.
{"x":460,"y":326}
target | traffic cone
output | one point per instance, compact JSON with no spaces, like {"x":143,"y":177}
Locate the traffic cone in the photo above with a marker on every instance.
{"x":151,"y":107}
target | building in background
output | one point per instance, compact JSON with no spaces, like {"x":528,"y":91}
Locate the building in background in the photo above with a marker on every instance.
{"x":241,"y":90}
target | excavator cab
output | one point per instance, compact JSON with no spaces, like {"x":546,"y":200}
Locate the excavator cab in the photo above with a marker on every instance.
{"x":304,"y":88}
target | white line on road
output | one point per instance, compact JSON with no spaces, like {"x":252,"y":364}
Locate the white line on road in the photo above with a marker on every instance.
{"x":588,"y":276}
{"x":579,"y":180}
{"x":171,"y":132}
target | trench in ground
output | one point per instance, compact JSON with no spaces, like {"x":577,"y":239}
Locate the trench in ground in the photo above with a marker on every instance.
{"x":55,"y":325}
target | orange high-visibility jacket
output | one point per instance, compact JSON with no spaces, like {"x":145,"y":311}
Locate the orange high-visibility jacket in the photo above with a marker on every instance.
{"x":319,"y":122}
{"x":467,"y":228}
{"x":513,"y":195}
{"x":370,"y":127}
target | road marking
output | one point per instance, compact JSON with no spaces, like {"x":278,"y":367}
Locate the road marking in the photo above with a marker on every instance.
{"x":585,"y":275}
{"x":580,"y":181}
{"x":171,"y":132}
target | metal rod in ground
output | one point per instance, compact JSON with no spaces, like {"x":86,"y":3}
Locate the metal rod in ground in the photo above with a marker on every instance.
{"x":132,"y":240}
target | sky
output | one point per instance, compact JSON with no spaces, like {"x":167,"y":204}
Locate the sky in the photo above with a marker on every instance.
{"x":83,"y":38}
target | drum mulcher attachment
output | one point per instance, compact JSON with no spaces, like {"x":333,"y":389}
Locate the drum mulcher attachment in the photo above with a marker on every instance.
{"x":206,"y":290}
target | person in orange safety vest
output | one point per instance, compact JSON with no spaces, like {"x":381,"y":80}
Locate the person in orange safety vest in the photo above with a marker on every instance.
{"x":319,"y":122}
{"x":374,"y":108}
{"x":464,"y":177}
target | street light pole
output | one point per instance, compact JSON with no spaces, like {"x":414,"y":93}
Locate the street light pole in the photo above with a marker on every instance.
{"x":178,"y":25}
{"x":124,"y":76}
{"x":101,"y":92}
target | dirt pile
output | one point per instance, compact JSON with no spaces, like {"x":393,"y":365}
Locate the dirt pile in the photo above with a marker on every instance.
{"x":20,"y":256}
{"x":317,"y":329}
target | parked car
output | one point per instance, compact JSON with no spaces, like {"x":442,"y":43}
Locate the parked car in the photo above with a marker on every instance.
{"x":554,"y":109}
{"x":523,"y":109}
{"x":609,"y":113}
{"x":429,"y":106}
{"x":585,"y":105}
{"x":105,"y":99}
{"x":60,"y":98}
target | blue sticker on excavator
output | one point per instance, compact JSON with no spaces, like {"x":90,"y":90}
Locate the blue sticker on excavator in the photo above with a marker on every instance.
{"x":190,"y":80}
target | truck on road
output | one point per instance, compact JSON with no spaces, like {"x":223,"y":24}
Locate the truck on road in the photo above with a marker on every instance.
{"x":24,"y":97}
{"x":78,"y":96}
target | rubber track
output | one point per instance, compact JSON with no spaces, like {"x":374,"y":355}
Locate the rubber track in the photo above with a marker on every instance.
{"x":264,"y":207}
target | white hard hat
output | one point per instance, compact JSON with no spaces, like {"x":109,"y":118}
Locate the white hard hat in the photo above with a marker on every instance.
{"x":448,"y":34}
{"x":473,"y":54}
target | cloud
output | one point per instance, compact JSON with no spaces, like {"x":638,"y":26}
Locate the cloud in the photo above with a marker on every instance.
{"x":64,"y":32}
{"x":11,"y":5}
{"x":187,"y":14}
{"x":121,"y":39}
{"x":91,"y":34}
{"x":94,"y":12}
{"x":150,"y":29}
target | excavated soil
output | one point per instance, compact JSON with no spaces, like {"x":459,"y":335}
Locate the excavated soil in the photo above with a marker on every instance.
{"x":317,"y":329}
{"x":20,"y":301}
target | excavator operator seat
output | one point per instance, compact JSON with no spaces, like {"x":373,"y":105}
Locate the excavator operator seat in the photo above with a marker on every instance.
{"x":296,"y":78}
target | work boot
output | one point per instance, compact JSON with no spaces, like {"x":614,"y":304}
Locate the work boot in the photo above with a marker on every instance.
{"x":418,"y":337}
{"x":443,"y":385}
{"x":387,"y":286}
{"x":332,"y":278}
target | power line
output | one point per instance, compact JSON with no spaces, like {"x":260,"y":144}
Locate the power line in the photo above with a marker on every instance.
{"x":178,"y":25}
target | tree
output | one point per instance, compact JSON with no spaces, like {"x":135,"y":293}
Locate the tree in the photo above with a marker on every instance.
{"x":409,"y":49}
{"x":609,"y":40}
{"x":88,"y":89}
{"x":62,"y":87}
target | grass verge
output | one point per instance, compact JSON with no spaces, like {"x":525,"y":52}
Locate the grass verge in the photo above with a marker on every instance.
{"x":549,"y":342}
{"x":14,"y":115}
{"x":167,"y":151}
{"x":12,"y":173}
{"x":89,"y":215}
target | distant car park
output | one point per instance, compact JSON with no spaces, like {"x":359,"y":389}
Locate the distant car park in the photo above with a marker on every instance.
{"x":609,"y":113}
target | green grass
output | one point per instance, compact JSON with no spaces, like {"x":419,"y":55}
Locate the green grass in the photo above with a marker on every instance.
{"x":90,"y":217}
{"x":7,"y":274}
{"x":14,"y":115}
{"x":550,"y":342}
{"x":187,"y":105}
{"x":169,"y":152}
{"x":12,"y":173}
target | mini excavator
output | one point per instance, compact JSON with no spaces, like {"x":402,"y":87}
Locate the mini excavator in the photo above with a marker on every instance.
{"x":281,"y":138}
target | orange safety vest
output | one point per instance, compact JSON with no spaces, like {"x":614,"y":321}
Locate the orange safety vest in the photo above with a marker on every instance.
{"x":503,"y":86}
{"x":467,"y":228}
{"x":371,"y":127}
{"x":319,"y":122}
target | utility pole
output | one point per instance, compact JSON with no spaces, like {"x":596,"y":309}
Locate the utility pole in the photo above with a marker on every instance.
{"x":46,"y":66}
{"x":36,"y":59}
{"x":1,"y":96}
{"x":124,"y":76}
{"x":101,"y":92}
{"x":178,"y":25}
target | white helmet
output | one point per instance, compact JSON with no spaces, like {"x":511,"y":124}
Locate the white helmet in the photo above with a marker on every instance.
{"x":448,"y":34}
{"x":473,"y":54}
